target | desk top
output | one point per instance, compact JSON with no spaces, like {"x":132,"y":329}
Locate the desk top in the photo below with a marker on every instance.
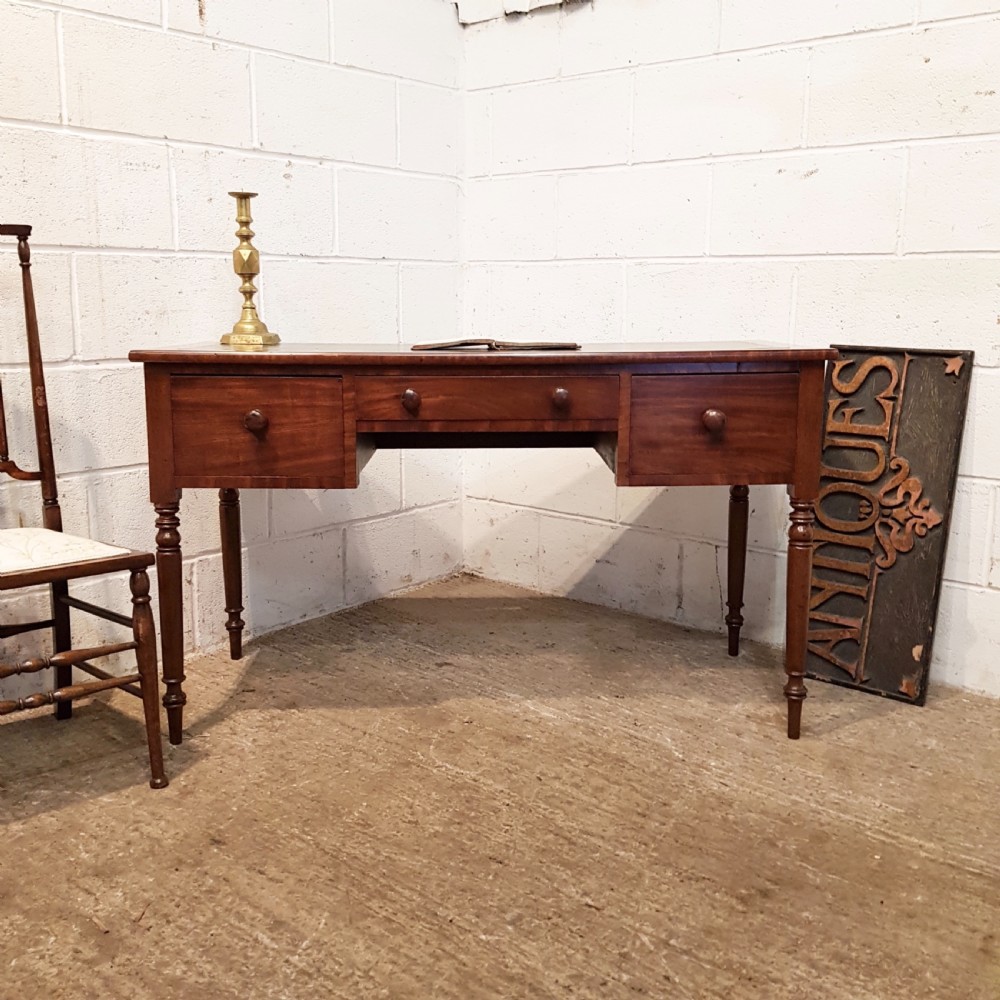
{"x":349,"y":355}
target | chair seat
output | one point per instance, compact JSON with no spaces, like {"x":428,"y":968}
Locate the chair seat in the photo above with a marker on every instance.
{"x":24,"y":549}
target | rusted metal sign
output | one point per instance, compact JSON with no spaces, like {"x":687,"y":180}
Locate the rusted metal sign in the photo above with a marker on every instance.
{"x":894,"y":423}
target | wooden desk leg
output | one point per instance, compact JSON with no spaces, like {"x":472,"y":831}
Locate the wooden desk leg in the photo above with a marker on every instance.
{"x":168,"y":573}
{"x":739,"y":508}
{"x":800,"y":546}
{"x":232,"y":569}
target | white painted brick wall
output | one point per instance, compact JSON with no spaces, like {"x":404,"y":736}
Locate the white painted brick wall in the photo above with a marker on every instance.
{"x":146,"y":82}
{"x":395,"y":553}
{"x":310,"y":109}
{"x":119,"y":146}
{"x":395,"y":215}
{"x":299,"y":27}
{"x":428,"y":480}
{"x":478,"y":114}
{"x":658,"y":211}
{"x":919,"y":301}
{"x":624,"y":568}
{"x":357,"y":299}
{"x":817,"y":202}
{"x":730,"y":104}
{"x":417,"y":39}
{"x":501,"y":542}
{"x":981,"y":445}
{"x":430,"y":129}
{"x":952,"y":198}
{"x":803,"y":173}
{"x":677,"y":302}
{"x":87,"y":191}
{"x":430,"y":301}
{"x":33,"y":96}
{"x":565,"y":123}
{"x":931,"y":10}
{"x":150,"y":11}
{"x":564,"y":301}
{"x":568,"y":481}
{"x":751,"y":23}
{"x":510,"y":218}
{"x":938,"y":81}
{"x":293,"y":512}
{"x":610,"y":35}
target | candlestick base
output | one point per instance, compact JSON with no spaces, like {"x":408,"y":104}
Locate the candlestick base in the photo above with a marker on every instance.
{"x":250,"y":341}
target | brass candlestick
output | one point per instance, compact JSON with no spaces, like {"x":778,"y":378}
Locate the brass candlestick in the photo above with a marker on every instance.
{"x":249,"y":332}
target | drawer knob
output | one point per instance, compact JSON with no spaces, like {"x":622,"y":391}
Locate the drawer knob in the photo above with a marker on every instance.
{"x":255,"y":421}
{"x":411,"y":401}
{"x":560,"y":398}
{"x":714,"y":421}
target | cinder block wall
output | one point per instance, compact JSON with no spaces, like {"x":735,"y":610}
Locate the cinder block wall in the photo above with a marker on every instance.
{"x":123,"y":125}
{"x":806,"y":173}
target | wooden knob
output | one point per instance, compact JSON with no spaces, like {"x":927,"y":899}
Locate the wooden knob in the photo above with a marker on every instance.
{"x":560,"y":398}
{"x":411,"y":401}
{"x":714,"y":421}
{"x":255,"y":421}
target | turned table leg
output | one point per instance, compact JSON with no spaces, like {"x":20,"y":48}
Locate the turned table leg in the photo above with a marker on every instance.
{"x":168,"y":573}
{"x":739,"y":507}
{"x":800,"y":546}
{"x":232,"y":569}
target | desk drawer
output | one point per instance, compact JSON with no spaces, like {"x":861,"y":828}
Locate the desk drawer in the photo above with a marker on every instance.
{"x":236,"y":428}
{"x":487,"y":397}
{"x":714,"y":428}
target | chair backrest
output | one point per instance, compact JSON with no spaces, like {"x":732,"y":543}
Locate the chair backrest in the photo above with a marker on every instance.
{"x":46,"y":472}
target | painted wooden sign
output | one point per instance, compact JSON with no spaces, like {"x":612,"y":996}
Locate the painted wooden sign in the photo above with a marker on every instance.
{"x":893,"y":430}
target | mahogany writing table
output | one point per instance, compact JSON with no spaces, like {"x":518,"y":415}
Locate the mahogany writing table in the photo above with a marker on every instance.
{"x":310,"y":416}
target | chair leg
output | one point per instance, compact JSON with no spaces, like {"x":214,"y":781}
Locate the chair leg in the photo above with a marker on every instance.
{"x":62,"y":640}
{"x":144,"y":632}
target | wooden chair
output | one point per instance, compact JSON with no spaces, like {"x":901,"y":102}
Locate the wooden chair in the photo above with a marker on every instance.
{"x":33,"y":556}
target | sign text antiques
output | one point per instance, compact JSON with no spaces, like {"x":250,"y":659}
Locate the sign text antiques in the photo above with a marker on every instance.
{"x":890,"y":456}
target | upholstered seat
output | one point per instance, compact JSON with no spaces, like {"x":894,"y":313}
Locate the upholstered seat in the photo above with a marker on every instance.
{"x":24,"y":549}
{"x":31,"y":557}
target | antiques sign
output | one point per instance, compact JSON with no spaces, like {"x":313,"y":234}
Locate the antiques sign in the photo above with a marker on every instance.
{"x":893,"y":429}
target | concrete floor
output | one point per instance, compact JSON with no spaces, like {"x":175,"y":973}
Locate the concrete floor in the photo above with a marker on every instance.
{"x":471,"y":791}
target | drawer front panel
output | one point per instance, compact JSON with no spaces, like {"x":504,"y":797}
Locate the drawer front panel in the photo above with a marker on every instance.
{"x":487,"y":397}
{"x":257,"y":426}
{"x":714,"y":428}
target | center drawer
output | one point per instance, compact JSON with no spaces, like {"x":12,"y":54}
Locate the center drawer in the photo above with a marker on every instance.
{"x":487,"y":397}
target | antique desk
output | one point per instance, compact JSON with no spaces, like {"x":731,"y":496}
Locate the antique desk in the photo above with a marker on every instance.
{"x":299,"y":416}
